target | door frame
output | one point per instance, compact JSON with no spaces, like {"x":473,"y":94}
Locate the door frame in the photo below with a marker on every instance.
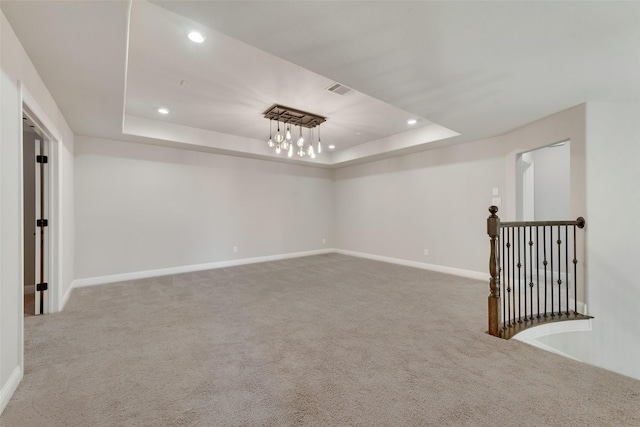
{"x":525,"y":190}
{"x":50,"y":198}
{"x":43,"y":261}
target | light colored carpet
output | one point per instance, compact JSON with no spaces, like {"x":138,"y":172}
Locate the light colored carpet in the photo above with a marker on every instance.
{"x":327,"y":340}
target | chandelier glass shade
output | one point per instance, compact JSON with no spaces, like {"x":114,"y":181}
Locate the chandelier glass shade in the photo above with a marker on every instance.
{"x":284,"y":141}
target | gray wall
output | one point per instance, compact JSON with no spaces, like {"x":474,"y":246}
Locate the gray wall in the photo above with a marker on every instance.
{"x":142,"y":207}
{"x":438,"y":200}
{"x":613,"y":241}
{"x":435,"y":200}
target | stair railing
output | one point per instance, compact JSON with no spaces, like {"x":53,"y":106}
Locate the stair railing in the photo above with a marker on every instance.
{"x":533,"y":269}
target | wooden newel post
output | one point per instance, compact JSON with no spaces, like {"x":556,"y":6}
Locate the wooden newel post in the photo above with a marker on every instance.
{"x":493,"y":230}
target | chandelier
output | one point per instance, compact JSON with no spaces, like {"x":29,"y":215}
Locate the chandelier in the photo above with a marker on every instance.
{"x":284,"y":140}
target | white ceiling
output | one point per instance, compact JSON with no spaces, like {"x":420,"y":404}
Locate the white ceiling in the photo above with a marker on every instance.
{"x":225,"y":85}
{"x":476,"y":69}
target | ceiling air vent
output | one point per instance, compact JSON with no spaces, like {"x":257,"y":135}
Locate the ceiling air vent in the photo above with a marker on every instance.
{"x":339,"y":89}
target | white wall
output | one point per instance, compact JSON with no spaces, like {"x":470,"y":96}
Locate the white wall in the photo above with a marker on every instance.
{"x":142,"y":207}
{"x":613,"y":241}
{"x":435,"y":200}
{"x":438,"y":200}
{"x":20,"y":82}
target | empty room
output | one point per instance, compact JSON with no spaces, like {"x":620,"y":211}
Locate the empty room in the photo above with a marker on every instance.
{"x":367,"y":213}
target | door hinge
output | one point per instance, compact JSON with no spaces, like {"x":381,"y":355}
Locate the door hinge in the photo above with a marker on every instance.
{"x":42,"y":287}
{"x":42,"y":159}
{"x":42,"y":223}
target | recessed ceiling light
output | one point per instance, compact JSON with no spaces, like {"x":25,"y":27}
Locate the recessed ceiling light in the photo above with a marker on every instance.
{"x":412,"y":121}
{"x":331,"y":147}
{"x":195,"y":37}
{"x":163,"y":110}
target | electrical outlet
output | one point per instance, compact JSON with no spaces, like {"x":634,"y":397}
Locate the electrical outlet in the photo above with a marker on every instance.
{"x":235,"y":249}
{"x":324,"y":241}
{"x":496,"y":201}
{"x":426,"y":251}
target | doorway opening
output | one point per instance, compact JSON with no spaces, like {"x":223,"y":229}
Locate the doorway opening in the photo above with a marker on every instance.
{"x":36,"y":209}
{"x":543,"y":183}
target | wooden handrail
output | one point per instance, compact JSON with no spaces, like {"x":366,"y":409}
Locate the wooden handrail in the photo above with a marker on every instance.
{"x":578,"y":222}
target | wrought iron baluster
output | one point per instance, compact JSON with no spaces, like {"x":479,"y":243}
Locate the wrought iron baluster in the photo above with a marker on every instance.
{"x":559,"y":272}
{"x":504,"y":285}
{"x":551,"y":269}
{"x":524,"y":265}
{"x":538,"y":271}
{"x":566,"y":266}
{"x":513,"y":272}
{"x":519,"y":277}
{"x":575,"y":273}
{"x":544,"y":249}
{"x":530,"y":274}
{"x":508,"y":295}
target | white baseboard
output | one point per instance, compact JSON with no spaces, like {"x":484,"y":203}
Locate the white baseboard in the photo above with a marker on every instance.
{"x":547,"y":348}
{"x":530,"y":336}
{"x":114,"y":278}
{"x":553,"y":328}
{"x":581,"y":306}
{"x":92,"y":281}
{"x":439,"y":268}
{"x":65,"y":297}
{"x":10,"y":387}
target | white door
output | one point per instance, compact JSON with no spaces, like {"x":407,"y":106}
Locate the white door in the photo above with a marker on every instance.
{"x":31,"y":237}
{"x":42,"y":227}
